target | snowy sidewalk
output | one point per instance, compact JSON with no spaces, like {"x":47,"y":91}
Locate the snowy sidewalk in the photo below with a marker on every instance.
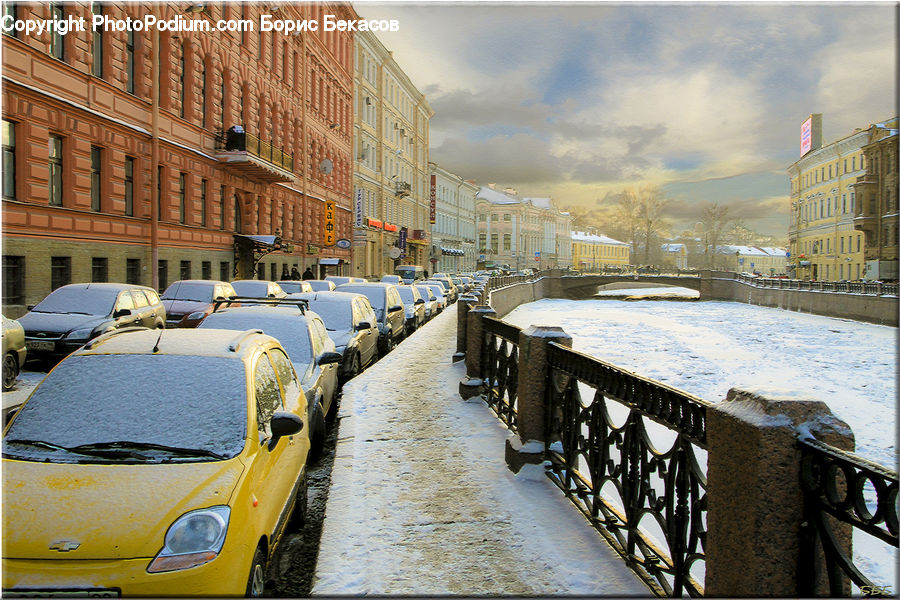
{"x":422,"y":503}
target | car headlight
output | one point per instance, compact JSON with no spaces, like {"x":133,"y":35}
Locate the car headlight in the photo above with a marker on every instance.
{"x":195,"y":538}
{"x":81,"y":335}
{"x":196,"y":315}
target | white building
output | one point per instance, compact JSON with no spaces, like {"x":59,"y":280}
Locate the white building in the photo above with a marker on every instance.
{"x":453,"y":228}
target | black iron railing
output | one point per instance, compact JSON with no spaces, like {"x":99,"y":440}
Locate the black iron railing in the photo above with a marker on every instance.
{"x":500,"y":367}
{"x":843,"y":491}
{"x":247,"y":142}
{"x":649,"y":503}
{"x":846,"y":287}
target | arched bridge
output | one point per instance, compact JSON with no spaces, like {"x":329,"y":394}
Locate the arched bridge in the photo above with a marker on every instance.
{"x":586,"y":286}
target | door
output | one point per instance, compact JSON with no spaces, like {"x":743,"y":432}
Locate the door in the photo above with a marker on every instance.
{"x":368,"y":339}
{"x":126,"y":302}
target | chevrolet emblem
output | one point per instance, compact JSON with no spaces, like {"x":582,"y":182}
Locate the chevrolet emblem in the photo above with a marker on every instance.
{"x":64,"y":546}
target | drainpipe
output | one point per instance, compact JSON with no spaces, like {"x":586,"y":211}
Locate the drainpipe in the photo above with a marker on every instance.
{"x":154,"y":159}
{"x":303,"y":151}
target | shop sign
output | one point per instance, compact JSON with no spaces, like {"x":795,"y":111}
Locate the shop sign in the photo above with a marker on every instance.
{"x":433,"y":213}
{"x":390,"y":227}
{"x":330,"y":229}
{"x":374,"y":223}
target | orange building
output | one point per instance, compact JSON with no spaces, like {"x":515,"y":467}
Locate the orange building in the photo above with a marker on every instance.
{"x":148,"y":156}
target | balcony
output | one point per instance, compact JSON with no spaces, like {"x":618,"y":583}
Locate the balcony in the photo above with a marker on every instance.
{"x":246,"y":155}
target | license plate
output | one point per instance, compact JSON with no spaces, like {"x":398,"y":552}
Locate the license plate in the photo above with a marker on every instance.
{"x":92,"y":593}
{"x":40,"y":345}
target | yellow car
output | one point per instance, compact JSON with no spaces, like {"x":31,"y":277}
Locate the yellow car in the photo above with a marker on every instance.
{"x":155,"y":463}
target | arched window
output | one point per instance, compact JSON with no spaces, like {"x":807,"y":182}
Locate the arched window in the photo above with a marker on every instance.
{"x":203,"y":119}
{"x":183,"y":75}
{"x":237,"y":214}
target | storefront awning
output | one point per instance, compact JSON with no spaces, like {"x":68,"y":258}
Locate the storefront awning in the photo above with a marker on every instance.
{"x":330,"y":261}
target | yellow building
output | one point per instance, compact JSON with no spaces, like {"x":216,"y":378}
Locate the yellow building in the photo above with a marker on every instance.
{"x":592,"y":253}
{"x":674,"y":255}
{"x":823,"y":241}
{"x":876,"y":207}
{"x":391,"y":176}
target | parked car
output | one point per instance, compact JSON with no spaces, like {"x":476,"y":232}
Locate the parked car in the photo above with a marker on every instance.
{"x":188,"y":301}
{"x":388,"y":306}
{"x":257,"y":288}
{"x":450,"y":290}
{"x":439,"y":293}
{"x":303,"y":336}
{"x":71,"y":315}
{"x":351,"y":324}
{"x":13,"y":351}
{"x":410,"y":273}
{"x":339,"y":280}
{"x":392,"y":279}
{"x":156,"y":464}
{"x":432,"y":306}
{"x":413,"y":306}
{"x":321,"y":285}
{"x":295,"y":286}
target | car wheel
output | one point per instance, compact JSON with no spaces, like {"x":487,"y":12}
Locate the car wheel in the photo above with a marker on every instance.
{"x":317,"y":435}
{"x":10,"y":371}
{"x":256,"y":583}
{"x":301,"y":504}
{"x":354,"y":369}
{"x":389,"y":343}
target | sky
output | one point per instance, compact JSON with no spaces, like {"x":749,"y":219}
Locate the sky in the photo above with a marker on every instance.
{"x":705,"y":100}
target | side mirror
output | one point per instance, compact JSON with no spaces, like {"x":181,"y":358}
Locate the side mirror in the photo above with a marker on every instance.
{"x":329,"y":358}
{"x":395,"y":308}
{"x":282,"y":424}
{"x":420,"y":301}
{"x":30,"y":307}
{"x":122,"y":312}
{"x":363,"y":325}
{"x":219,"y":299}
{"x":271,"y":295}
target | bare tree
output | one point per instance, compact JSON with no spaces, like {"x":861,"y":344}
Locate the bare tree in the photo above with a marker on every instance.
{"x":651,"y":203}
{"x":714,"y":219}
{"x":628,"y":214}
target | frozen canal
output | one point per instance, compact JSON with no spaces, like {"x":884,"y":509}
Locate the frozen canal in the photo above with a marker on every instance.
{"x":706,"y":348}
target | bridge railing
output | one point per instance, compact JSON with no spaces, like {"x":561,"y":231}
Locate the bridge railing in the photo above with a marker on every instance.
{"x":637,"y":458}
{"x":872,"y":288}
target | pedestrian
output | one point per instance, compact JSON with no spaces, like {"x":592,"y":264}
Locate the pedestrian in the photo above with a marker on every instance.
{"x":295,"y":274}
{"x":425,"y":273}
{"x":284,"y":273}
{"x":308,"y":274}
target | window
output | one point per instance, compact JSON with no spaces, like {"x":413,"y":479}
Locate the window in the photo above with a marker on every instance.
{"x":222,"y":207}
{"x":203,"y":94}
{"x":14,"y":280}
{"x":185,"y":269}
{"x":60,"y":271}
{"x":507,"y":217}
{"x":129,"y":62}
{"x":224,"y":271}
{"x":140,"y":300}
{"x":273,"y":272}
{"x":495,"y":242}
{"x":182,"y":208}
{"x":162,"y":270}
{"x":56,"y":170}
{"x":11,"y":9}
{"x":203,"y":202}
{"x":96,"y":177}
{"x":129,"y":186}
{"x":133,"y":271}
{"x":285,"y":372}
{"x":858,"y":242}
{"x":507,"y":242}
{"x":97,"y":43}
{"x":206,"y":269}
{"x":183,"y":79}
{"x":268,"y":395}
{"x":9,"y":159}
{"x":99,"y":269}
{"x":160,"y":175}
{"x":57,"y":47}
{"x":222,"y":96}
{"x":237,"y":214}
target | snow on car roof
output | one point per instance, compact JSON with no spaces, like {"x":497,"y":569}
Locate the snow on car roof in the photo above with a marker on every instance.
{"x":189,"y":342}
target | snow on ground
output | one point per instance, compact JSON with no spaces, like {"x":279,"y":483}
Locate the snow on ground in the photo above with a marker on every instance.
{"x":650,"y":292}
{"x":706,"y":348}
{"x":422,"y":503}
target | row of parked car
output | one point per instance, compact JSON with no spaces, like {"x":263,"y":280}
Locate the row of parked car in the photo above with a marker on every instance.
{"x":168,"y":447}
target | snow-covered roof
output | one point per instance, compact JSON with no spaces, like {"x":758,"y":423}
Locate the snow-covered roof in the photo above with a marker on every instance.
{"x":672,"y":247}
{"x":750,"y":251}
{"x":495,"y":197}
{"x":545,"y":203}
{"x":592,"y":238}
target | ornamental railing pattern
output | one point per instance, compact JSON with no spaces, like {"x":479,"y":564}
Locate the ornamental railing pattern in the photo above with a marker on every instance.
{"x":846,"y":287}
{"x":500,"y":367}
{"x":649,"y":502}
{"x":842,"y":491}
{"x":247,"y":142}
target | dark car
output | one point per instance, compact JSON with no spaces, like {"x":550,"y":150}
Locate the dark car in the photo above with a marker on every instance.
{"x":413,"y":305}
{"x":73,"y":314}
{"x":351,"y":324}
{"x":389,"y":311}
{"x":188,"y":301}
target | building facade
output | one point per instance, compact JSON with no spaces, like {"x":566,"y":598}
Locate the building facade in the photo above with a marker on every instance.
{"x":391,"y":175}
{"x":876,"y":205}
{"x":518,"y":233}
{"x":453,"y":231}
{"x":152,"y":156}
{"x":592,"y":253}
{"x":751,"y":259}
{"x":823,"y":239}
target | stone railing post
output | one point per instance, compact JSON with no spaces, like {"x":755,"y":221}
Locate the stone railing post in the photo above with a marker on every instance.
{"x":473,"y":385}
{"x":463,"y":305}
{"x":755,"y":502}
{"x":534,"y":377}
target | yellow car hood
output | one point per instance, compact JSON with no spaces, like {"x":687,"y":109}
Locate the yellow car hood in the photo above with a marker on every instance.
{"x":109,"y":511}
